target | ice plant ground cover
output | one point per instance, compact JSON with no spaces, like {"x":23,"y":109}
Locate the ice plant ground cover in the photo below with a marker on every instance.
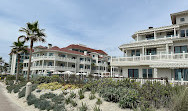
{"x":53,"y":93}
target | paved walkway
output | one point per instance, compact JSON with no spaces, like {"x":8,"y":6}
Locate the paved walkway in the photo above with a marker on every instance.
{"x":6,"y":104}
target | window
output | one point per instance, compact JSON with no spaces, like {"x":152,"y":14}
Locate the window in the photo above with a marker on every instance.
{"x":133,"y":73}
{"x":169,"y":34}
{"x":94,"y":61}
{"x":150,"y":73}
{"x":147,"y":73}
{"x":182,"y":33}
{"x":180,"y":49}
{"x":93,"y":55}
{"x":132,"y":52}
{"x":50,"y":63}
{"x":144,"y":73}
{"x":186,"y":32}
{"x":153,"y":51}
{"x":135,"y":52}
{"x":149,"y":37}
{"x":182,"y":19}
{"x":81,"y":66}
{"x":51,"y":54}
{"x":81,"y":59}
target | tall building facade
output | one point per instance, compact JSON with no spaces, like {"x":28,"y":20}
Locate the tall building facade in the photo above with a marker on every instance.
{"x":13,"y":62}
{"x":76,"y":58}
{"x":157,"y":52}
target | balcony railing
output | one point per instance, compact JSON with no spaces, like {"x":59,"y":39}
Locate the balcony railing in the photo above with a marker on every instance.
{"x":51,"y":68}
{"x":85,"y":62}
{"x":176,"y":56}
{"x":164,"y":38}
{"x":55,"y":58}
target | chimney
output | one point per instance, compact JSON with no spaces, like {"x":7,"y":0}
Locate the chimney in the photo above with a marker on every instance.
{"x":85,"y":52}
{"x":150,"y":27}
{"x":49,"y":46}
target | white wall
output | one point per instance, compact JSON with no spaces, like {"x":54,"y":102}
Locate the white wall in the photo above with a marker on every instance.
{"x":164,"y":73}
{"x":181,"y":16}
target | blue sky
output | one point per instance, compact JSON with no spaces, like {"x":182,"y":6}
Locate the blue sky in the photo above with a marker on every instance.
{"x":100,"y":24}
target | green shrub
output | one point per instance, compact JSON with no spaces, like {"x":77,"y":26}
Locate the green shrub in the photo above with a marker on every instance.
{"x":81,"y":94}
{"x":22,"y":93}
{"x":130,"y":99}
{"x":21,"y":78}
{"x":179,"y":101}
{"x":67,"y":101}
{"x":47,"y":96}
{"x":43,"y":79}
{"x":96,"y":109}
{"x":16,"y":90}
{"x":155,"y":94}
{"x":99,"y":102}
{"x":9,"y":82}
{"x":38,"y":90}
{"x":10,"y":88}
{"x":59,"y":107}
{"x":74,"y":104}
{"x":65,"y":92}
{"x":72,"y":95}
{"x":83,"y":107}
{"x":34,"y":86}
{"x":91,"y":96}
{"x":11,"y":77}
{"x":58,"y":99}
{"x":43,"y":104}
{"x":31,"y":99}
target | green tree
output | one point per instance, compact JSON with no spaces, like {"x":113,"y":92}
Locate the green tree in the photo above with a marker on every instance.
{"x":33,"y":34}
{"x":18,"y":49}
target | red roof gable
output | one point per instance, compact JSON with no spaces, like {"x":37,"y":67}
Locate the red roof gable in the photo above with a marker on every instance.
{"x":72,"y":46}
{"x":65,"y":50}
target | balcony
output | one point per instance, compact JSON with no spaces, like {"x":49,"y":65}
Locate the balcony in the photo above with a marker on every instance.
{"x":157,"y":39}
{"x":150,"y":59}
{"x":84,"y":70}
{"x":85,"y":62}
{"x":59,"y":68}
{"x":54,"y":58}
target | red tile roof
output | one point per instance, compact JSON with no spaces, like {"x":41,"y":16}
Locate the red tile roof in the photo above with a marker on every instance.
{"x":73,"y":46}
{"x":66,"y":50}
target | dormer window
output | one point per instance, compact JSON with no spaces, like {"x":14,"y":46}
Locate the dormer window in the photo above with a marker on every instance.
{"x":182,"y":19}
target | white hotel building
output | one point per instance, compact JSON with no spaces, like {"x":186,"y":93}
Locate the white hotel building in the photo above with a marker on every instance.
{"x":75,"y":58}
{"x":157,"y":52}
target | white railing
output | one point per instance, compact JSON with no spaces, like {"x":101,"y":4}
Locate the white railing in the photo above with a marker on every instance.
{"x":85,"y":62}
{"x":164,"y":38}
{"x":55,"y":57}
{"x":52,"y":67}
{"x":176,"y":56}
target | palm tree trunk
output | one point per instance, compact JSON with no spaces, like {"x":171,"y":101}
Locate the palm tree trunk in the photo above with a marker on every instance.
{"x":30,"y":55}
{"x":18,"y":67}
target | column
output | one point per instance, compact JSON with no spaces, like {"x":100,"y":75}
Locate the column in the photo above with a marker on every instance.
{"x":155,"y":35}
{"x":111,"y":71}
{"x":137,"y":37}
{"x":174,"y":32}
{"x":143,"y":51}
{"x":155,"y":73}
{"x":42,"y":63}
{"x":123,"y":52}
{"x":54,"y":63}
{"x":167,"y":49}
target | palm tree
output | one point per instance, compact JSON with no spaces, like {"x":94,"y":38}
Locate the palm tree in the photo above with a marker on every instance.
{"x":18,"y":48}
{"x":33,"y":34}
